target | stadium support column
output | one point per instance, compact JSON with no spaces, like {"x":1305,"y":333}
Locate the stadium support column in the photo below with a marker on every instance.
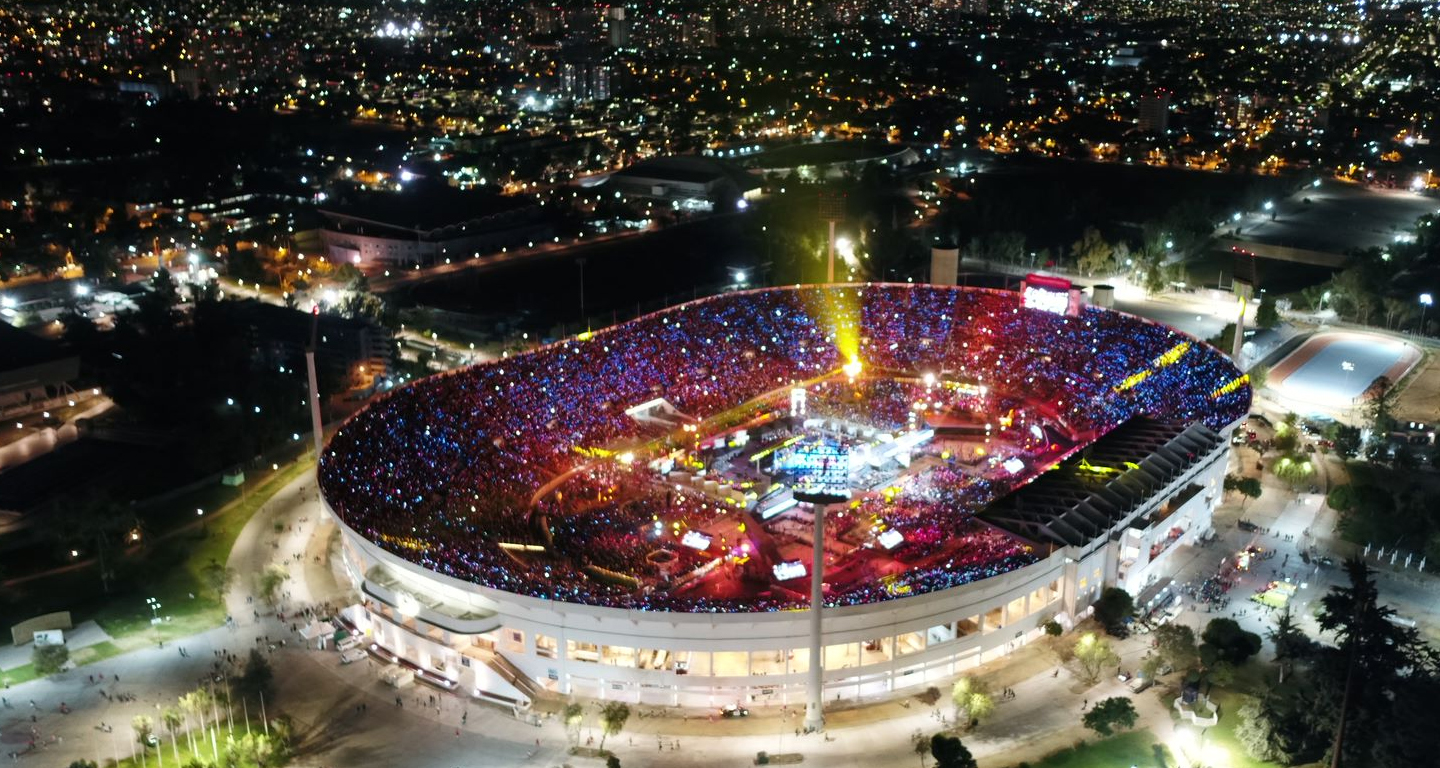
{"x":815,"y":692}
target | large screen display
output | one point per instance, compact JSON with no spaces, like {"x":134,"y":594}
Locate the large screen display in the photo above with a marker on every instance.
{"x":1049,"y":294}
{"x":819,"y":470}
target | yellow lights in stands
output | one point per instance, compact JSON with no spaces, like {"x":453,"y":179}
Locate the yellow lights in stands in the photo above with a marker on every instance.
{"x":513,"y":547}
{"x":1232,"y":386}
{"x":627,"y":458}
{"x":852,"y":369}
{"x":1176,"y":352}
{"x":1131,"y":381}
{"x":585,"y":336}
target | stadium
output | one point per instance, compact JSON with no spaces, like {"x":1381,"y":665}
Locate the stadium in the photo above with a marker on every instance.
{"x":629,"y":514}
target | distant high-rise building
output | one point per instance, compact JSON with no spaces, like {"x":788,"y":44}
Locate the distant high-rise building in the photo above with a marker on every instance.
{"x":699,"y":29}
{"x":585,"y":80}
{"x":1155,"y":111}
{"x":618,"y":26}
{"x":545,"y":19}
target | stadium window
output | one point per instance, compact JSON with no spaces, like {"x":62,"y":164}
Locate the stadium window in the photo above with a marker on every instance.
{"x":910,"y":642}
{"x":732,"y":664}
{"x":577,"y":651}
{"x":546,"y":646}
{"x":767,"y":662}
{"x":799,"y":660}
{"x":618,"y":656}
{"x":842,"y":655}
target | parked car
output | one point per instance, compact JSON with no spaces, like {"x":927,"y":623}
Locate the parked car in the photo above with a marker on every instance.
{"x":1140,"y":683}
{"x":353,"y":655}
{"x":734,"y":710}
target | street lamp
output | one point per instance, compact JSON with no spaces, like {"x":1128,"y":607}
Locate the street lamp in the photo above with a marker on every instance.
{"x":1347,"y":367}
{"x":154,"y":608}
{"x":1425,"y":301}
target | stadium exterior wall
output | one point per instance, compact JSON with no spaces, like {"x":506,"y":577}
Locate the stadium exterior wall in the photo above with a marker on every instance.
{"x":764,"y":653}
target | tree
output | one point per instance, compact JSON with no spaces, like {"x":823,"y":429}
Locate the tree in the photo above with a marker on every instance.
{"x":1266,"y":315}
{"x":1290,"y":641}
{"x":218,"y":578}
{"x":257,"y":677}
{"x":195,"y":704}
{"x":973,"y":701}
{"x":573,"y":715}
{"x":1249,"y":488}
{"x":84,"y":764}
{"x":1052,"y":628}
{"x":612,"y":719}
{"x":1175,"y":644}
{"x":1109,"y":714}
{"x":269,"y":581}
{"x":1366,"y":685}
{"x":949,"y":752}
{"x":1380,"y":399}
{"x":1094,"y":654}
{"x":611,"y":761}
{"x":1294,"y":469}
{"x":172,"y":718}
{"x":921,"y":742}
{"x":1114,"y":606}
{"x":49,"y":659}
{"x":144,"y":727}
{"x":1259,"y":376}
{"x":1347,"y":441}
{"x":1092,"y":254}
{"x":1224,"y":640}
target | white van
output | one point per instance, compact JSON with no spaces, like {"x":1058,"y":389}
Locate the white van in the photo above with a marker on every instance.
{"x":353,"y":641}
{"x":353,"y":655}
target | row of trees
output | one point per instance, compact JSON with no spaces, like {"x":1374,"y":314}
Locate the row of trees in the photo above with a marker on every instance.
{"x":612,"y":714}
{"x":213,"y":710}
{"x":1366,"y":700}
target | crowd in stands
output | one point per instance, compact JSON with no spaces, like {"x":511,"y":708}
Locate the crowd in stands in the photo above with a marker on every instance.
{"x":443,"y":471}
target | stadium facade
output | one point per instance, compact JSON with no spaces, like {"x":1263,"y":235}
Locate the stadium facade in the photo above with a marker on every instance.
{"x":1112,"y":514}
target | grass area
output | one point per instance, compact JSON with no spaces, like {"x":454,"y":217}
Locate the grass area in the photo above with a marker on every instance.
{"x":170,"y":570}
{"x":187,"y":603}
{"x":1222,"y":736}
{"x":1137,"y":748}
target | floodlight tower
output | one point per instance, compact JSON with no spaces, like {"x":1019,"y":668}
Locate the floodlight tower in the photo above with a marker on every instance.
{"x":815,"y":689}
{"x":316,"y":427}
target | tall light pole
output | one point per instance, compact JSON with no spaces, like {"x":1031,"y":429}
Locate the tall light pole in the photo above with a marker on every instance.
{"x":1425,"y":301}
{"x":815,"y":690}
{"x":1347,"y":367}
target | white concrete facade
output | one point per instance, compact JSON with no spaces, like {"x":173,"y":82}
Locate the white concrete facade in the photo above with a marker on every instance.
{"x":762,"y":658}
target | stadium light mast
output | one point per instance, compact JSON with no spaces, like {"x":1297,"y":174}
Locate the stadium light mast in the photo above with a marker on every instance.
{"x":815,"y":690}
{"x":316,"y":427}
